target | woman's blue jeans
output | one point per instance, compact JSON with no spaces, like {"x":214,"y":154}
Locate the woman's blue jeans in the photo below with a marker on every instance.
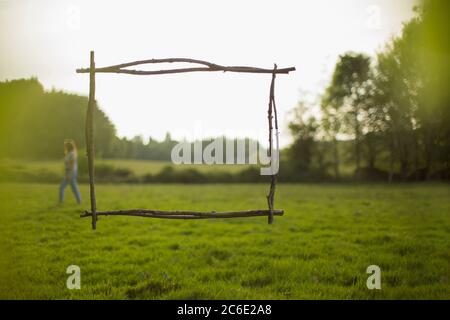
{"x":73,"y":185}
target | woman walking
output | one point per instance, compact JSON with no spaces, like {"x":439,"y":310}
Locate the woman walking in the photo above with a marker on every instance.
{"x":71,"y":171}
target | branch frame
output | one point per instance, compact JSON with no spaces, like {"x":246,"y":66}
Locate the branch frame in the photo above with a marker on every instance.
{"x":204,"y":66}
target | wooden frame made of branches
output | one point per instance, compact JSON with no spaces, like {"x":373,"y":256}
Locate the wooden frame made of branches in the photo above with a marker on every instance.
{"x":202,"y":66}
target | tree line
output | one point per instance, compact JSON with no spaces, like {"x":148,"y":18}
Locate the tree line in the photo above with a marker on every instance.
{"x":35,"y":122}
{"x":379,"y":118}
{"x":385,"y":117}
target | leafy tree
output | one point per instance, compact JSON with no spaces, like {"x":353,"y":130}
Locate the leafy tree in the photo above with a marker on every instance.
{"x":412,"y":75}
{"x":347,"y":95}
{"x":331,"y":124}
{"x":34,"y":122}
{"x":303,"y":129}
{"x":432,"y":52}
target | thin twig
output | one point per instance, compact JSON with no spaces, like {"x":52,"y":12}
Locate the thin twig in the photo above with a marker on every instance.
{"x":273,"y":180}
{"x":90,"y":140}
{"x":118,"y":68}
{"x":165,"y":60}
{"x":183,"y":214}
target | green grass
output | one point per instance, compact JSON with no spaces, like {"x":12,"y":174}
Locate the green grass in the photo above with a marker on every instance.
{"x":320,"y":249}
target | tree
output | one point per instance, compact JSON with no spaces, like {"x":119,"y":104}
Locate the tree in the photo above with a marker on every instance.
{"x":432,"y":52}
{"x":303,"y":129}
{"x":35,"y":122}
{"x":331,"y":127}
{"x":347,"y":95}
{"x":396,"y":97}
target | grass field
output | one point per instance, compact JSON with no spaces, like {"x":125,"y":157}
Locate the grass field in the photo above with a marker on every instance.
{"x":320,"y":249}
{"x":138,"y":167}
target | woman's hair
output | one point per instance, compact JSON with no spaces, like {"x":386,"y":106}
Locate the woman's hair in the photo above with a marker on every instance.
{"x":69,"y":146}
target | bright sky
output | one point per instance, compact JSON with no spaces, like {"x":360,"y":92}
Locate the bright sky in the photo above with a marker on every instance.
{"x":50,"y":39}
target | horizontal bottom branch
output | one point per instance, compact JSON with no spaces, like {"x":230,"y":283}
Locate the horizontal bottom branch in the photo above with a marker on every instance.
{"x":183,"y":214}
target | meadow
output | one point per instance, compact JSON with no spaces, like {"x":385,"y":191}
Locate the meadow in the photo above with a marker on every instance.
{"x":137,"y":167}
{"x":319,"y":249}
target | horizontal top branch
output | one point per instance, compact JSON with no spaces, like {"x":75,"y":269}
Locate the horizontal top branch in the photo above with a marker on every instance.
{"x":206,"y":66}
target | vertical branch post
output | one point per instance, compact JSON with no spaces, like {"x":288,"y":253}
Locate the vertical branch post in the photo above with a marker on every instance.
{"x":90,"y":138}
{"x":272,"y":110}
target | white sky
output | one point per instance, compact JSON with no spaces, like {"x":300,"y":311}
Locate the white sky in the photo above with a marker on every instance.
{"x":50,"y":39}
